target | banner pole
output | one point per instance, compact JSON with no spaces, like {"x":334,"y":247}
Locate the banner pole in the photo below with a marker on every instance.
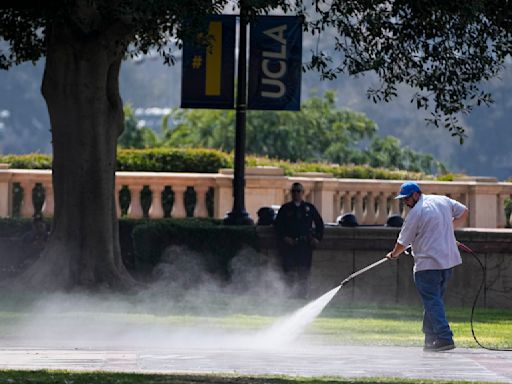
{"x":238,"y":215}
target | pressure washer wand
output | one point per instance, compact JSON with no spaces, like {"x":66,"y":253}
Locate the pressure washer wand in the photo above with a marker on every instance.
{"x":357,"y":273}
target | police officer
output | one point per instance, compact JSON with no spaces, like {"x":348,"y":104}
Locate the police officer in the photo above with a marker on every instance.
{"x":297,"y":238}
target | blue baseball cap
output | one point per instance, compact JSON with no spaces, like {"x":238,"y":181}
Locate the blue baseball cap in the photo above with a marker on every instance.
{"x":407,"y":189}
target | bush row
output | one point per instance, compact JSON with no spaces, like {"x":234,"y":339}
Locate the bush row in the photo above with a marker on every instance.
{"x":173,"y":160}
{"x":149,"y":160}
{"x":210,"y":161}
{"x":143,"y":241}
{"x":217,"y":243}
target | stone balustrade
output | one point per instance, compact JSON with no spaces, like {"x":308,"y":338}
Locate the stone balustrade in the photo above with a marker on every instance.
{"x":370,"y":200}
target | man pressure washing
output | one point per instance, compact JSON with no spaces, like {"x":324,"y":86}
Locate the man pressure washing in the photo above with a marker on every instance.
{"x":429,"y":228}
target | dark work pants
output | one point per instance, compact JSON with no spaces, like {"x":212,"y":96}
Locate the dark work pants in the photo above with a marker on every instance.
{"x":297,"y":267}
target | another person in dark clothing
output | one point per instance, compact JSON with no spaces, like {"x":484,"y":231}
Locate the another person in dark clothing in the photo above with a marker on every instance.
{"x":297,"y":238}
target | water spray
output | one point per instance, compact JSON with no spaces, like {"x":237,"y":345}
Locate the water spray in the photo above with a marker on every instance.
{"x":288,"y":328}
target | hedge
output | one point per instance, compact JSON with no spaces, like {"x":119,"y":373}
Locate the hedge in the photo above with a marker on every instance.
{"x":30,"y":161}
{"x":15,"y":227}
{"x":217,"y":243}
{"x":149,"y":160}
{"x":210,"y":161}
{"x":144,"y":241}
{"x":173,"y":160}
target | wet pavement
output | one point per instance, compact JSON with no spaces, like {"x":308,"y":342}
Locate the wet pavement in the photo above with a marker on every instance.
{"x":343,"y":361}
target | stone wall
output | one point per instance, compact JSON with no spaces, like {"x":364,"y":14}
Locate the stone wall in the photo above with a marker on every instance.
{"x":345,"y":250}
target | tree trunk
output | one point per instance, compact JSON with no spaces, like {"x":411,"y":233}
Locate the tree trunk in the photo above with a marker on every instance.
{"x":80,"y":86}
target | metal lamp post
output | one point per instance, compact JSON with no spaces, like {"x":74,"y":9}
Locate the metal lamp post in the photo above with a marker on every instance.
{"x":238,"y":215}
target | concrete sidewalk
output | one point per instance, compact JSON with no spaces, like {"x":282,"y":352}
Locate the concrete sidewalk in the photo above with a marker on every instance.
{"x":343,"y":361}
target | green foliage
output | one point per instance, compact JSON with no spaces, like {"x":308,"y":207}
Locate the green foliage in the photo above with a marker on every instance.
{"x":508,"y":212}
{"x":210,"y":161}
{"x":135,"y":136}
{"x":149,"y":160}
{"x":201,"y":128}
{"x":319,"y":132}
{"x":444,"y":50}
{"x":30,"y":161}
{"x":60,"y":377}
{"x":340,"y":171}
{"x":14,"y":227}
{"x":387,"y":152}
{"x":172,"y":160}
{"x":216,"y":242}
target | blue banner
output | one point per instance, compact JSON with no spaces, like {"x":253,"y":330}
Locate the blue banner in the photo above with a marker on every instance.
{"x":275,"y":63}
{"x":207,"y":79}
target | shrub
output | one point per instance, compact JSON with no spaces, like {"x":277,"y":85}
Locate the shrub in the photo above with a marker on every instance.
{"x":338,"y":170}
{"x":210,"y":161}
{"x":172,"y":160}
{"x":14,"y":227}
{"x":143,"y":241}
{"x":216,"y":242}
{"x":30,"y":161}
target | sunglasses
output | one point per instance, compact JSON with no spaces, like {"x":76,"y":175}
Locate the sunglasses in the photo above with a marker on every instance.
{"x":296,"y":190}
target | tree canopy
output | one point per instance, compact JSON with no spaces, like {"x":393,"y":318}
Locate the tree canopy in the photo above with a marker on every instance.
{"x":442,"y":49}
{"x":319,"y":132}
{"x":134,"y":135}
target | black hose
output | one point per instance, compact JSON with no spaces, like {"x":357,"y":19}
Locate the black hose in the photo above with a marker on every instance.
{"x":482,"y":284}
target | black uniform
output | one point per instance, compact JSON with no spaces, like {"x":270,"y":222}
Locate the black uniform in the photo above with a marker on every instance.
{"x":296,"y":222}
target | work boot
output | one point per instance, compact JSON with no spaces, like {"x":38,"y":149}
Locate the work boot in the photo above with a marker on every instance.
{"x":440,"y":345}
{"x":428,"y":346}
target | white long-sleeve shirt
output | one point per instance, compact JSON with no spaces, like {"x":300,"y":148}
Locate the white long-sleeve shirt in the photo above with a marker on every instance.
{"x":429,"y":229}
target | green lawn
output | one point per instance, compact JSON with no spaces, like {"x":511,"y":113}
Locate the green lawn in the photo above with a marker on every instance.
{"x":61,"y":377}
{"x":367,"y":324}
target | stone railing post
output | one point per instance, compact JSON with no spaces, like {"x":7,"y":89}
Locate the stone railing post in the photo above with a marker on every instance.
{"x":156,"y":210}
{"x":395,"y":206}
{"x":27,"y":205}
{"x":135,"y":209}
{"x":117,"y":200}
{"x":462,"y":198}
{"x":382,"y":211}
{"x":369,"y":213}
{"x":483,"y":206}
{"x":178,"y":208}
{"x":336,"y":203}
{"x":48,"y":205}
{"x":358,"y":207}
{"x":5,"y":191}
{"x":200,"y":209}
{"x":501,"y":219}
{"x":347,"y":203}
{"x":223,"y":197}
{"x":323,"y":194}
{"x":286,"y":195}
{"x":309,"y":195}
